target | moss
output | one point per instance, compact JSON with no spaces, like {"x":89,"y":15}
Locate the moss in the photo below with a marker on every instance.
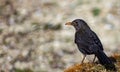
{"x":49,"y":26}
{"x":94,"y":67}
{"x":24,"y":70}
{"x":96,"y":11}
{"x":1,"y":30}
{"x":36,"y":26}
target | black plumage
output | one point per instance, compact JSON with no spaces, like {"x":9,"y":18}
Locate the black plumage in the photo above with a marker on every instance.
{"x":88,"y":43}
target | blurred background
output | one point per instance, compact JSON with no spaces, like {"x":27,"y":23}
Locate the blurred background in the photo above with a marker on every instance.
{"x":34,"y":38}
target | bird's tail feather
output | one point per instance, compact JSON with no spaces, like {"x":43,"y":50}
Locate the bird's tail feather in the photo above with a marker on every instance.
{"x":105,"y":61}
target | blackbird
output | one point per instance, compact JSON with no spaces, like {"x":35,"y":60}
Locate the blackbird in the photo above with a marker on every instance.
{"x":88,"y":43}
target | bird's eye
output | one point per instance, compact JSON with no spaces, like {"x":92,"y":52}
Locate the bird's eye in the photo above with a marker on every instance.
{"x":76,"y":22}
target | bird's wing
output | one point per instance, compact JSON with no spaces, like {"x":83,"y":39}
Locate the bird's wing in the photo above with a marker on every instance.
{"x":88,"y":41}
{"x":96,"y":40}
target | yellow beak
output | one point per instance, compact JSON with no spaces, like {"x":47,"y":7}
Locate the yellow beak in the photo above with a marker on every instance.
{"x":68,"y":23}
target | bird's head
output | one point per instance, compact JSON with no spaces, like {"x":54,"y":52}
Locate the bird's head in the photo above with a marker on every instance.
{"x":79,"y":24}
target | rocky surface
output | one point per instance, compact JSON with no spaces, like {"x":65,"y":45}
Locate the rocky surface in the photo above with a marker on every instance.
{"x":33,"y":34}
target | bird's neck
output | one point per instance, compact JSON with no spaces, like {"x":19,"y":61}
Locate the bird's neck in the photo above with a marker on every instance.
{"x":83,"y":31}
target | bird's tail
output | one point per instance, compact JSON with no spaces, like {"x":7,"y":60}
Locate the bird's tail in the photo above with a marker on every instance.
{"x":105,"y":61}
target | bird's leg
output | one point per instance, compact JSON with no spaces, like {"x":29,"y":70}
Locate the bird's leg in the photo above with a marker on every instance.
{"x":83,"y":58}
{"x":94,"y":58}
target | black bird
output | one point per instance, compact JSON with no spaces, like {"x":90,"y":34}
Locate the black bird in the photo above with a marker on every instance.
{"x":88,"y":43}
